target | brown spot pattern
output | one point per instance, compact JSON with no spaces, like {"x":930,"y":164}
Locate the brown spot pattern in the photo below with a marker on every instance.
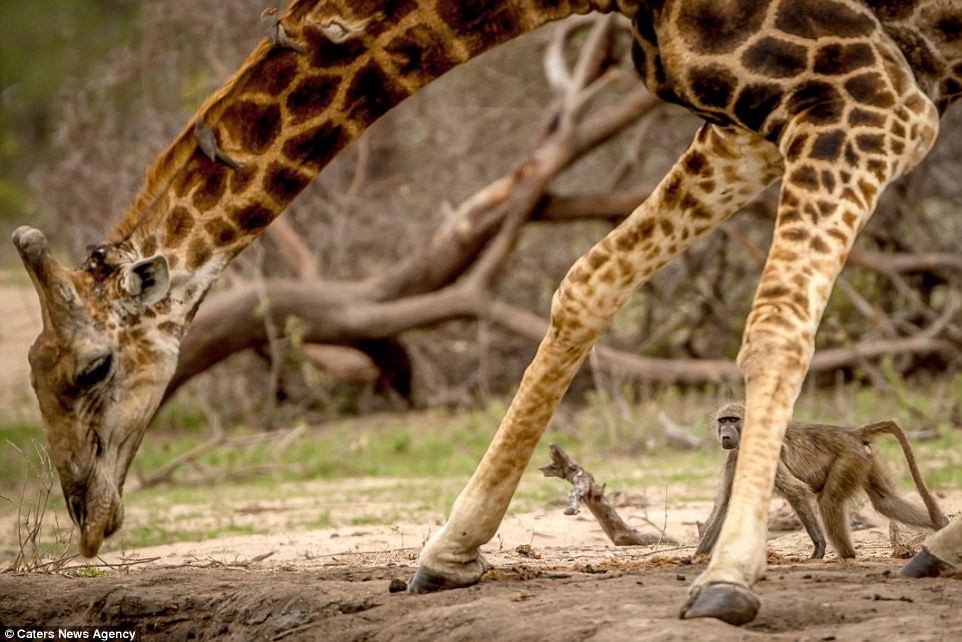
{"x":240,"y":179}
{"x":870,"y":89}
{"x":864,"y":117}
{"x":149,"y":245}
{"x":713,"y":86}
{"x":253,"y":217}
{"x":828,"y":145}
{"x":805,"y":178}
{"x":818,"y":102}
{"x":419,"y":53}
{"x":371,"y":94}
{"x":220,"y":231}
{"x":198,"y":253}
{"x":317,"y":146}
{"x":178,"y":226}
{"x":870,"y":143}
{"x":479,"y":24}
{"x":326,"y":54}
{"x":775,"y":58}
{"x":311,"y":96}
{"x":284,"y":183}
{"x":755,"y":103}
{"x":796,"y":147}
{"x":212,"y":184}
{"x":189,"y":175}
{"x":697,"y":164}
{"x":819,"y":245}
{"x":253,"y":125}
{"x":838,"y":59}
{"x":819,"y":18}
{"x":274,"y":75}
{"x":828,"y":181}
{"x":716,"y":27}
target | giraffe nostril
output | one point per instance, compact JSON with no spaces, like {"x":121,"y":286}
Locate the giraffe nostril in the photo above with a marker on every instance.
{"x":77,"y":507}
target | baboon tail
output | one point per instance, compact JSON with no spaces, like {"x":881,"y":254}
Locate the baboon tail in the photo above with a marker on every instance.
{"x":870,"y":431}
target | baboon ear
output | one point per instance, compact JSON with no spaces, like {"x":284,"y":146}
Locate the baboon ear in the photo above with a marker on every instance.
{"x":148,"y":280}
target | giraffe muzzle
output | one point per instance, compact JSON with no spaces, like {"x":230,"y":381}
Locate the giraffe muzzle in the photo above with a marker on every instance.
{"x":97,"y":510}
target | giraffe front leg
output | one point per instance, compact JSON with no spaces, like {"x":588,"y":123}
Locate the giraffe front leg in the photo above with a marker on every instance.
{"x":941,"y":552}
{"x":721,"y":170}
{"x":833,"y":177}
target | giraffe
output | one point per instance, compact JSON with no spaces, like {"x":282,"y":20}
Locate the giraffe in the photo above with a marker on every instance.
{"x":835,"y":97}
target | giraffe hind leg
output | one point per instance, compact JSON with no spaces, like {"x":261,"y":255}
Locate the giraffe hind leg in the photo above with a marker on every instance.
{"x":721,"y":170}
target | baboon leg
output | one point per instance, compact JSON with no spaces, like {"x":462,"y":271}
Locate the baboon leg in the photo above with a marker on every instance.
{"x":800,"y":497}
{"x":887,"y":501}
{"x":720,"y":509}
{"x":831,"y":504}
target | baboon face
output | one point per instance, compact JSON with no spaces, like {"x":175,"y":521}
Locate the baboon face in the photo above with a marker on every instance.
{"x":728,"y":424}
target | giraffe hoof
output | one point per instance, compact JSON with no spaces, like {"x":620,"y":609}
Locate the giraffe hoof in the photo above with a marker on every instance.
{"x":426,"y":581}
{"x":924,"y":564}
{"x":729,"y":603}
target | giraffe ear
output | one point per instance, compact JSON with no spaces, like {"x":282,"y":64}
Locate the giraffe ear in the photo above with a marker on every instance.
{"x":148,"y":280}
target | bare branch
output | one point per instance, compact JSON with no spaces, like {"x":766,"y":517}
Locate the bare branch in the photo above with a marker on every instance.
{"x":889,"y":263}
{"x":678,"y":436}
{"x":585,"y":490}
{"x":556,"y":70}
{"x":292,"y":249}
{"x":613,"y":206}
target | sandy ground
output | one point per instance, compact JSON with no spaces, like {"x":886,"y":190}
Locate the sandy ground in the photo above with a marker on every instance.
{"x":555,"y":577}
{"x":548,"y":531}
{"x":19,"y":325}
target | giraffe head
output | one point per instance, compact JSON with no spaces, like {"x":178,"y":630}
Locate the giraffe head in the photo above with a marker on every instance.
{"x":89,"y":368}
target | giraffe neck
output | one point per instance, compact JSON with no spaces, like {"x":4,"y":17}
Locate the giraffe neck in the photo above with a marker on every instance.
{"x":285,"y":115}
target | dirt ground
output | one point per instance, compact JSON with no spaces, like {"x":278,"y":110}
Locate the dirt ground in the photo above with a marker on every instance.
{"x":556,"y":598}
{"x":554,"y":578}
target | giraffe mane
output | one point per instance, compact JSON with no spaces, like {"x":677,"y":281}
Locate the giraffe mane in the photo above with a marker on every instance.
{"x":168,"y":163}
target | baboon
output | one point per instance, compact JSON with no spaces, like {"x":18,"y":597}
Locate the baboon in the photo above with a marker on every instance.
{"x":827,"y":464}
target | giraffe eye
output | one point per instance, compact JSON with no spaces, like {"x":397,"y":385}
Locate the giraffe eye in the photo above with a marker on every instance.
{"x":96,"y":371}
{"x":98,"y":444}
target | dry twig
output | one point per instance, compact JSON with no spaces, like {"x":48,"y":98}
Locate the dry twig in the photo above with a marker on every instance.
{"x":586,"y":491}
{"x":31,"y":552}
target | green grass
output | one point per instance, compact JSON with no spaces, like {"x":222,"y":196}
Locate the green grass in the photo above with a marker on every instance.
{"x":18,"y":443}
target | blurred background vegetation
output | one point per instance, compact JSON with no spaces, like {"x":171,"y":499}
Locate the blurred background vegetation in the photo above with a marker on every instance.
{"x":93,"y":90}
{"x":43,"y":46}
